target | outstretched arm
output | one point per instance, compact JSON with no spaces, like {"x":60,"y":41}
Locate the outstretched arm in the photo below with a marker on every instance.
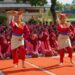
{"x":12,"y":13}
{"x":12,"y":22}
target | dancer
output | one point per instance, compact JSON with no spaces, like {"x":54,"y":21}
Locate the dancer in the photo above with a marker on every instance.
{"x":17,"y":40}
{"x":65,"y":30}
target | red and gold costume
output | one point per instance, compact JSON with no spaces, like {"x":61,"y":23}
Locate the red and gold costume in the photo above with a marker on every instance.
{"x":19,"y":32}
{"x":64,"y":42}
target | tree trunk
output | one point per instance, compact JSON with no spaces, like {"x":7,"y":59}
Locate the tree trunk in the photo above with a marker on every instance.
{"x":52,"y":9}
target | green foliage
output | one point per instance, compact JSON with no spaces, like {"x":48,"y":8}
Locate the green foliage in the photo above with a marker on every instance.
{"x":59,"y":6}
{"x":3,"y":19}
{"x":20,"y":1}
{"x":32,"y":21}
{"x":38,"y":2}
{"x":34,"y":2}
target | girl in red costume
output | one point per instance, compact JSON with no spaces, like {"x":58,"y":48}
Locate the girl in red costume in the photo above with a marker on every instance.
{"x":17,"y":41}
{"x":65,"y":29}
{"x":34,"y":41}
{"x":46,"y":48}
{"x":3,"y":46}
{"x":53,"y":40}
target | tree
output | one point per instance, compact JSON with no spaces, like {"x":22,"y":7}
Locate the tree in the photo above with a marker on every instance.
{"x":53,"y":12}
{"x":21,"y":1}
{"x":59,"y":6}
{"x":33,"y":2}
{"x":38,"y":2}
{"x":3,"y":19}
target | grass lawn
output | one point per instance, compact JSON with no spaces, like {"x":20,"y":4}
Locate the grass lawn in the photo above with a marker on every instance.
{"x":68,"y":19}
{"x":71,"y":19}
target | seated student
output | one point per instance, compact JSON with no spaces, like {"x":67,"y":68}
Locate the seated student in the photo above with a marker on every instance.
{"x":8,"y":38}
{"x":34,"y":41}
{"x":45,"y":46}
{"x":53,"y":42}
{"x":3,"y":46}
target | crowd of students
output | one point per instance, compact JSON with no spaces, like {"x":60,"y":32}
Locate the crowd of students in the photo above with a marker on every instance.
{"x":41,"y":42}
{"x":5,"y":44}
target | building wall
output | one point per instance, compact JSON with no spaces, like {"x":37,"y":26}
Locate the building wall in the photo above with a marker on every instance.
{"x":27,"y":15}
{"x":8,"y":1}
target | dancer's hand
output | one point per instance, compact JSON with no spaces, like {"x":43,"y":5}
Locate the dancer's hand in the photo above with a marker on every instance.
{"x":12,"y":12}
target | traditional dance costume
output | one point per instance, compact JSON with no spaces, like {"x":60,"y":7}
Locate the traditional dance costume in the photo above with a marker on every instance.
{"x":64,"y":40}
{"x":17,"y":41}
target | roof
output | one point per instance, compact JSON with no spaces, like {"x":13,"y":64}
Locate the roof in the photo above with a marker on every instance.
{"x":9,"y":5}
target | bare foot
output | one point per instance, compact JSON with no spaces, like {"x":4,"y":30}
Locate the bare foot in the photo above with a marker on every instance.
{"x":23,"y":65}
{"x":72,"y":62}
{"x":60,"y":64}
{"x":15,"y":65}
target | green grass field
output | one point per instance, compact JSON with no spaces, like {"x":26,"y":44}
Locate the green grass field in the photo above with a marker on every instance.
{"x":71,"y":19}
{"x":68,"y":19}
{"x":49,"y":18}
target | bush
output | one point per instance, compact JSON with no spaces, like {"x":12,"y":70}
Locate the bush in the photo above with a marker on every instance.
{"x":20,"y":1}
{"x":3,"y":19}
{"x":32,"y":21}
